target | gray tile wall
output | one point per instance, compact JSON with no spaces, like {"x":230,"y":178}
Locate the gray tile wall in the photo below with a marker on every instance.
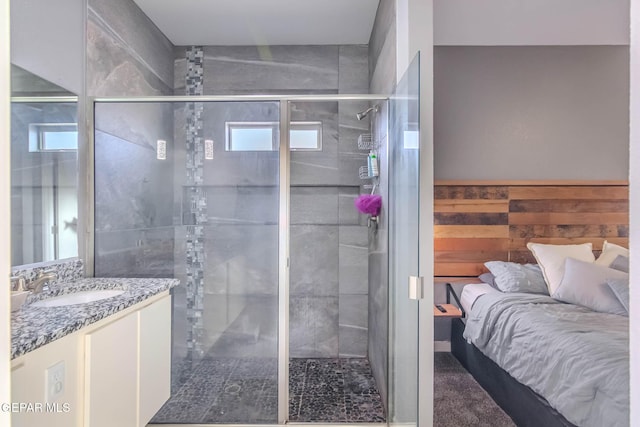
{"x":133,"y":202}
{"x":126,"y":53}
{"x":128,"y":56}
{"x":382,"y":69}
{"x":382,"y":49}
{"x":238,"y":211}
{"x":378,"y":278}
{"x":328,"y":243}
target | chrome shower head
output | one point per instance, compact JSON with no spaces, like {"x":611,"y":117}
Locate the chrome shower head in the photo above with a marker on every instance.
{"x":361,"y":115}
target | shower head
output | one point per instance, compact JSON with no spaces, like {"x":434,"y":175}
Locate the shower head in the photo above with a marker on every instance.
{"x":361,"y":115}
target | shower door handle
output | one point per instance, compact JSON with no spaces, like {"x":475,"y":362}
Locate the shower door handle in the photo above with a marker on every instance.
{"x":416,"y":287}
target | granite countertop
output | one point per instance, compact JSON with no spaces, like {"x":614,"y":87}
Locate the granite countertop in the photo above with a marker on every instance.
{"x":33,"y":327}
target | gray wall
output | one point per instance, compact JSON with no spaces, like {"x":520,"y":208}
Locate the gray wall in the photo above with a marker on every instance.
{"x":382,"y":72}
{"x":128,"y":56}
{"x":531,"y":112}
{"x":329,"y":290}
{"x":382,"y":49}
{"x":378,"y":341}
{"x":49,"y":41}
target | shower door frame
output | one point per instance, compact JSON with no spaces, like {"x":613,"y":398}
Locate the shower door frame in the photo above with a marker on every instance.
{"x":87,"y":186}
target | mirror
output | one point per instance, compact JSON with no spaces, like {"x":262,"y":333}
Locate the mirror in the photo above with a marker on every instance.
{"x":44,"y":170}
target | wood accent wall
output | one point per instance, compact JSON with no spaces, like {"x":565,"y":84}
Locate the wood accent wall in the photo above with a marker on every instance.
{"x":475,"y":222}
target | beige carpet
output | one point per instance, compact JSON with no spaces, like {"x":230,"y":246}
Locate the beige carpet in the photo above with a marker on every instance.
{"x":459,"y":401}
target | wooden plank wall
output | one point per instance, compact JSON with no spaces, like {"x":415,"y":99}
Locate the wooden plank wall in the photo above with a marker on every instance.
{"x":475,"y":222}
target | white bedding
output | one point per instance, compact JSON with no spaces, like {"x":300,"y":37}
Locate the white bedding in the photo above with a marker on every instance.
{"x":471,"y":292}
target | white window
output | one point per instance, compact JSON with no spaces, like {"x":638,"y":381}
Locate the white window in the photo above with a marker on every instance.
{"x":306,"y":136}
{"x":254,"y":136}
{"x":53,"y":137}
{"x":263,"y":136}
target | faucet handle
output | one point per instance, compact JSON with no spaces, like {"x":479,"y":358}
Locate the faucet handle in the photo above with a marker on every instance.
{"x":18,"y":283}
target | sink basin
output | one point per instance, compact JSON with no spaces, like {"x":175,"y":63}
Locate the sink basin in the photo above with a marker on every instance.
{"x":78,"y":298}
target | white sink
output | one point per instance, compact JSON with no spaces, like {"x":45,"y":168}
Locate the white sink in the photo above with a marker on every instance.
{"x":78,"y":298}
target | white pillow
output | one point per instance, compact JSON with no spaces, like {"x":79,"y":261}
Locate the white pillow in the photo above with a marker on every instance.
{"x":551,"y":259}
{"x":609,"y":252}
{"x":585,"y":284}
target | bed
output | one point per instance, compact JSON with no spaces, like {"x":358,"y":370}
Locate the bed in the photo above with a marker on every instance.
{"x":546,"y":363}
{"x":574,"y":357}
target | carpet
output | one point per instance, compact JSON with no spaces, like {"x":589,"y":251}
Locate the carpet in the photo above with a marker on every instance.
{"x":459,"y":401}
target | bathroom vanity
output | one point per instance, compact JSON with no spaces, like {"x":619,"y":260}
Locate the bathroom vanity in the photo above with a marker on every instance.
{"x":100,"y":363}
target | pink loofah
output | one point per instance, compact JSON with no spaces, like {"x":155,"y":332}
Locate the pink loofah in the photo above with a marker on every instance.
{"x":369,"y":204}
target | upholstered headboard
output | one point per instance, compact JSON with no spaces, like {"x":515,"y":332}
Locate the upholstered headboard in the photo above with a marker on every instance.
{"x":475,"y":222}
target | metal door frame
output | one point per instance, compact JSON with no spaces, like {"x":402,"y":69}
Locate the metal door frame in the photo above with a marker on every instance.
{"x":87,"y":186}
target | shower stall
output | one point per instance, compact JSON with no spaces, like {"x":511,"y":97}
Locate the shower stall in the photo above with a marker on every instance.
{"x":249,"y":201}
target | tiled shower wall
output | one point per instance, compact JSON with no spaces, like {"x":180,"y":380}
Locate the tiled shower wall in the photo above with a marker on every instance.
{"x":382,"y":69}
{"x":128,"y":56}
{"x":329,"y":285}
{"x":140,"y":201}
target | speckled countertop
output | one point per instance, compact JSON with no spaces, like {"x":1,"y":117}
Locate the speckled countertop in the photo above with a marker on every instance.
{"x":33,"y":327}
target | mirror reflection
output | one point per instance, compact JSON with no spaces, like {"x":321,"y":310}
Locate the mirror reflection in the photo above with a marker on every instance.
{"x":44,"y":165}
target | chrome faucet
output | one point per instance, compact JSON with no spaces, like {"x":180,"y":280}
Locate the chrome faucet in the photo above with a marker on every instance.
{"x":41,"y":279}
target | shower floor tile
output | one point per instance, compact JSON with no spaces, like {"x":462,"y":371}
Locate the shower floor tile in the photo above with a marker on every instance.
{"x":333,"y":391}
{"x":244,"y":391}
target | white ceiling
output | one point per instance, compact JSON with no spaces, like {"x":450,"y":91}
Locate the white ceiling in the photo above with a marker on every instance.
{"x":262,"y":22}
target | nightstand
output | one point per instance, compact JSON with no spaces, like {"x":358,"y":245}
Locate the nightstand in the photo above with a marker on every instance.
{"x":451,"y":310}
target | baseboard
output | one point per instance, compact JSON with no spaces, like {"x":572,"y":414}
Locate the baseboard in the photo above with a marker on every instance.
{"x":442,"y":346}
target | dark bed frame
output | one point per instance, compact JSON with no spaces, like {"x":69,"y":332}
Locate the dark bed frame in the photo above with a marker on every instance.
{"x":523,"y":405}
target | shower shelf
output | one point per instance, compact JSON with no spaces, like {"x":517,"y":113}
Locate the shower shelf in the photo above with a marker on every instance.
{"x":366,"y":142}
{"x":363,"y":172}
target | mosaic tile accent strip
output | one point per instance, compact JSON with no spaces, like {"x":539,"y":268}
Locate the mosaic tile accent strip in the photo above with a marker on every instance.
{"x":67,"y":270}
{"x":196,"y":216}
{"x":33,"y":327}
{"x":245,"y":391}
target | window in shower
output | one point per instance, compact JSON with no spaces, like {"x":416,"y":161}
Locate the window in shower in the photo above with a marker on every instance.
{"x":305,"y":136}
{"x":262,"y":136}
{"x":53,"y":137}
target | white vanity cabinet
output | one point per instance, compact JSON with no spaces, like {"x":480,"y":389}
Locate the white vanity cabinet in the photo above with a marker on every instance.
{"x":154,"y":360}
{"x":29,"y":381}
{"x":110,"y":374}
{"x":117,"y":370}
{"x":128,"y":368}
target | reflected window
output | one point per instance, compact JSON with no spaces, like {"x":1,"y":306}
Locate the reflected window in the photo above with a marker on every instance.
{"x":263,"y":136}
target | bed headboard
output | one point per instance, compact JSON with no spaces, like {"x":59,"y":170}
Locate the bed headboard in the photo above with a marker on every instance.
{"x":478,"y":221}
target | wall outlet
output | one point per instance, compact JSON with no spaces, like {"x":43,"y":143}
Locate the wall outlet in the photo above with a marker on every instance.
{"x":54,"y":376}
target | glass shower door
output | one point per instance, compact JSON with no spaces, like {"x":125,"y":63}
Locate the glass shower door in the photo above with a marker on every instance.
{"x":191,"y":190}
{"x":404,"y":214}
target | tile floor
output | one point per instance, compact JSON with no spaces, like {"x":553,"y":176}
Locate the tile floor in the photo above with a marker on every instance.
{"x":333,"y":390}
{"x":231,"y":390}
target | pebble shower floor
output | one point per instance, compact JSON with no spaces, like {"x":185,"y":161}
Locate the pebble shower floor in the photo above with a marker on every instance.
{"x":227,"y":391}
